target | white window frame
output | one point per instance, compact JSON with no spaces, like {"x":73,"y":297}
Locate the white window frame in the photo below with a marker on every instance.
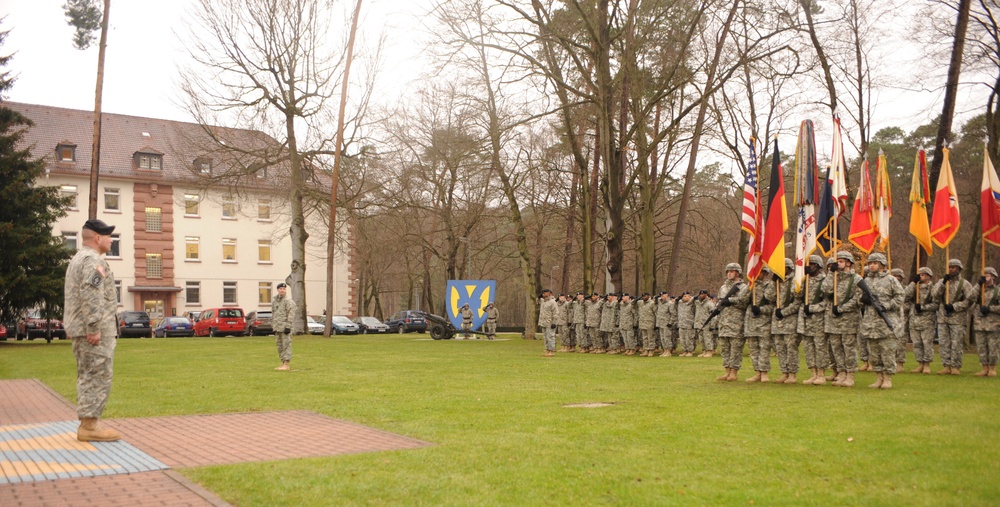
{"x":225,"y":242}
{"x":196,"y":287}
{"x":155,"y":225}
{"x":196,"y":200}
{"x":116,"y":239}
{"x":108,"y":192}
{"x":196,"y":241}
{"x":70,"y":191}
{"x":230,"y":293}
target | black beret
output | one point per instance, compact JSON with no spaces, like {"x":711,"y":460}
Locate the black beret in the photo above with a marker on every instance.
{"x":702,"y":291}
{"x":99,"y":227}
{"x":282,"y":284}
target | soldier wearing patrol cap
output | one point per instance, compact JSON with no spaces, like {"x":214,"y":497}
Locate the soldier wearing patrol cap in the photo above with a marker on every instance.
{"x":89,"y":313}
{"x":886,"y":292}
{"x":923,"y":318}
{"x":783,"y":321}
{"x":955,"y":295}
{"x":733,"y":299}
{"x":811,"y":322}
{"x":986,"y":323}
{"x":843,"y":300}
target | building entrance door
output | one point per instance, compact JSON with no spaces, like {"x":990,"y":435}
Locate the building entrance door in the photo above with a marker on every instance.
{"x":155,"y":310}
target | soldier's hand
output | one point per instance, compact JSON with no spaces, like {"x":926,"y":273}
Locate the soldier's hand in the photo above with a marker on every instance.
{"x":880,"y":308}
{"x":984,"y":310}
{"x":778,"y":315}
{"x":774,"y":276}
{"x":915,"y":278}
{"x":866,"y":299}
{"x":553,"y":326}
{"x":982,"y":280}
{"x":288,"y":330}
{"x":806,"y":309}
{"x":755,"y":310}
{"x":834,"y":268}
{"x":836,"y":311}
{"x":94,"y":338}
{"x":724,"y":302}
{"x":917,"y":307}
{"x":949,"y":308}
{"x":946,"y":277}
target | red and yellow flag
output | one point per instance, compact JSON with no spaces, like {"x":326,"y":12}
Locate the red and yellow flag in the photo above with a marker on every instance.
{"x":864,"y":232}
{"x":946,"y":218}
{"x":920,"y":196}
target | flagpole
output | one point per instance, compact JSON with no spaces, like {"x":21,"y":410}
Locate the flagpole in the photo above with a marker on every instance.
{"x":947,"y":285}
{"x":917,"y":300}
{"x":982,"y":268}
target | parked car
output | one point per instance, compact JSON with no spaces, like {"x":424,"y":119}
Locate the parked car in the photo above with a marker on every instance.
{"x":259,"y":323}
{"x":193,"y":316}
{"x":371,"y":325}
{"x":3,"y":332}
{"x":220,"y":322}
{"x":31,"y":325}
{"x":134,"y":324}
{"x":342,"y":325}
{"x":174,"y":326}
{"x":407,"y":320}
{"x":314,"y":327}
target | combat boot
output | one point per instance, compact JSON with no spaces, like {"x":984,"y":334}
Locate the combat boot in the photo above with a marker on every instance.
{"x":839,"y":379}
{"x":91,"y":431}
{"x":900,"y":368}
{"x":992,"y":372}
{"x":721,"y":378}
{"x":666,"y":353}
{"x":710,"y":353}
{"x":956,"y":371}
{"x":548,"y":353}
{"x":945,"y":371}
{"x":918,"y":369}
{"x":886,"y":381}
{"x":284,"y":366}
{"x":982,"y":373}
{"x":733,"y":375}
{"x":782,"y":378}
{"x":629,"y":352}
{"x":791,"y":379}
{"x":812,"y":378}
{"x":820,"y":377}
{"x":754,"y":378}
{"x":831,"y":377}
{"x":927,"y":368}
{"x":848,"y":380}
{"x":763,"y":377}
{"x":878,"y":381}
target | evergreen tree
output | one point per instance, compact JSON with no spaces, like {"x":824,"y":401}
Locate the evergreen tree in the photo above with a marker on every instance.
{"x":32,"y":261}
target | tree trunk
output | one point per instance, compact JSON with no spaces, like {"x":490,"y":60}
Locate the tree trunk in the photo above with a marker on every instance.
{"x":297,"y":229}
{"x":95,"y":159}
{"x":820,"y":54}
{"x":950,"y":91}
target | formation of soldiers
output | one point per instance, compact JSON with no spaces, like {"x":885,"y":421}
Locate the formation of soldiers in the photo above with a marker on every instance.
{"x":845,"y":319}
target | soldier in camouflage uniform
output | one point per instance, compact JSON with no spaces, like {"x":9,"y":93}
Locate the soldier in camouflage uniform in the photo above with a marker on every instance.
{"x":904,"y":320}
{"x":685,"y":324}
{"x":609,"y":324}
{"x":627,"y":320}
{"x":843,"y":315}
{"x":811,"y":324}
{"x":733,"y":300}
{"x":466,"y":313}
{"x":282,"y":315}
{"x":547,"y":321}
{"x":89,"y":315}
{"x":831,"y":268}
{"x":986,"y":323}
{"x":757,"y":325}
{"x":783,"y":321}
{"x":593,"y":307}
{"x":664,"y":317}
{"x":882,"y":339}
{"x":562,"y":323}
{"x":953,"y":317}
{"x":579,"y":328}
{"x":703,"y":307}
{"x":923,"y":318}
{"x":490,"y":327}
{"x":647,"y":324}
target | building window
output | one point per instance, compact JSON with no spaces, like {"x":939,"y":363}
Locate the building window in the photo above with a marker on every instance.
{"x":229,"y":249}
{"x":192,"y":293}
{"x":69,"y":192}
{"x":116,"y":247}
{"x":191,"y":248}
{"x":203,"y":165}
{"x":69,"y":241}
{"x":154,"y":220}
{"x":191,"y":205}
{"x":111,"y":200}
{"x":154,"y":266}
{"x":149,"y":161}
{"x":66,"y":152}
{"x":118,"y":291}
{"x":229,"y":208}
{"x":264,"y":293}
{"x":264,"y":250}
{"x":261,"y":173}
{"x":229,"y":293}
{"x":264,"y":210}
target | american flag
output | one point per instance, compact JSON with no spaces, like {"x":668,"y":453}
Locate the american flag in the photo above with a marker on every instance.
{"x":752,"y":216}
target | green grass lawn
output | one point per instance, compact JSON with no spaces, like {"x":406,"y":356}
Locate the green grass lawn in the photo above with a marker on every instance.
{"x":495,"y":412}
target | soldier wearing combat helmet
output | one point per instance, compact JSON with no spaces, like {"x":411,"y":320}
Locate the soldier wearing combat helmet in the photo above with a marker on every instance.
{"x":733,"y":300}
{"x":923,"y":318}
{"x":886,"y":292}
{"x":955,"y":295}
{"x":783,"y":321}
{"x":810,"y":327}
{"x":986,"y":323}
{"x":843,"y":299}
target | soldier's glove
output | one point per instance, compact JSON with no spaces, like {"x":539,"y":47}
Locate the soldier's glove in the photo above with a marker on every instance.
{"x":866,"y":299}
{"x":288,"y":330}
{"x":806,"y":309}
{"x":778,"y":315}
{"x":984,"y":310}
{"x":755,"y":310}
{"x":553,"y":326}
{"x":917,"y":307}
{"x":946,"y":277}
{"x":915,"y":278}
{"x":836,"y":311}
{"x":880,"y":307}
{"x":982,"y":280}
{"x":949,"y":308}
{"x":774,"y":276}
{"x":834,"y":268}
{"x":724,"y":302}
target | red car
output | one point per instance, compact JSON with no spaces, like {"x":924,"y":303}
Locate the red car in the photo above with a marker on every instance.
{"x":221,"y":322}
{"x":3,"y":332}
{"x":32,"y":326}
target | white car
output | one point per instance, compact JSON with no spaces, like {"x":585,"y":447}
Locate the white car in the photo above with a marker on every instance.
{"x":314,"y":327}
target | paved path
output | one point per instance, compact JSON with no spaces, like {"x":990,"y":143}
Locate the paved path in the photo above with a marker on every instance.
{"x":42,"y":464}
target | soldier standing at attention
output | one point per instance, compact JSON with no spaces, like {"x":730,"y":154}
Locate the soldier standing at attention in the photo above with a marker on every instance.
{"x":466,"y":313}
{"x":492,"y":314}
{"x":783,"y":322}
{"x":887,"y":292}
{"x":627,"y":322}
{"x":955,"y":295}
{"x":904,"y":320}
{"x":923,"y":318}
{"x":547,"y":321}
{"x":593,"y":322}
{"x":832,"y":266}
{"x":282,"y":314}
{"x":89,"y":313}
{"x":811,"y":324}
{"x":647,"y":324}
{"x":609,"y":324}
{"x":581,"y":336}
{"x":757,"y":325}
{"x":685,"y":324}
{"x":986,"y":323}
{"x":703,"y":307}
{"x":733,"y":300}
{"x":562,"y":323}
{"x":664,"y":337}
{"x":843,"y":306}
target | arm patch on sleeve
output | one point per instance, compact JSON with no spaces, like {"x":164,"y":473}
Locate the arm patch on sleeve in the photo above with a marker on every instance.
{"x":96,"y":280}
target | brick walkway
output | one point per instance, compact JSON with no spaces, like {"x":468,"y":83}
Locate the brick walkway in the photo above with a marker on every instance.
{"x":169,"y":441}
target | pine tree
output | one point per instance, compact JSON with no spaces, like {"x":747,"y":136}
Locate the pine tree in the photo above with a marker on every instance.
{"x":32,"y":261}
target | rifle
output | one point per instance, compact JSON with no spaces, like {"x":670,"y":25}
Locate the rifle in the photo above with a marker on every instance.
{"x":735,"y":289}
{"x":879,"y":308}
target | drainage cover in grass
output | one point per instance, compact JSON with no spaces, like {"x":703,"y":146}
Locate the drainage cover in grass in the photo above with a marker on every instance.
{"x":595,"y":404}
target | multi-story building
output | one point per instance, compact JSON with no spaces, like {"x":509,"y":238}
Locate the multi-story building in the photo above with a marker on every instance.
{"x":180,"y":243}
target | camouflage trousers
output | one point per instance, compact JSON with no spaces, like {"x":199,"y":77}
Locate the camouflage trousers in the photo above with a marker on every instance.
{"x":666,"y":338}
{"x":648,"y":338}
{"x":596,"y":338}
{"x":760,"y":352}
{"x":901,"y":349}
{"x":862,"y":348}
{"x":708,"y":339}
{"x":787,"y":346}
{"x":815,"y":349}
{"x":883,"y":354}
{"x":94,"y":374}
{"x":466,"y":327}
{"x":284,"y":342}
{"x":628,"y":336}
{"x":490,"y":328}
{"x":845,"y":351}
{"x":951,"y":340}
{"x":988,"y":346}
{"x":686,"y":337}
{"x":566,"y":338}
{"x":731,"y":348}
{"x":611,"y":339}
{"x":582,"y":336}
{"x":923,"y":344}
{"x":549,"y":333}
